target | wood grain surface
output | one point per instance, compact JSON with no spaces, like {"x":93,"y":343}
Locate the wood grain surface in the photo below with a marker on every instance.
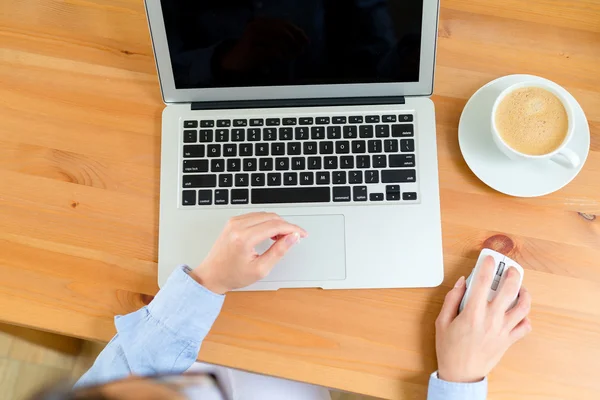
{"x":80,"y":111}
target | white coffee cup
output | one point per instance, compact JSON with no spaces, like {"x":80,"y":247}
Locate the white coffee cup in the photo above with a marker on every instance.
{"x":562,"y":155}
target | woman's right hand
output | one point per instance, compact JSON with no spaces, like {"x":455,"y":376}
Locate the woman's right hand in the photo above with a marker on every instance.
{"x":471,"y":344}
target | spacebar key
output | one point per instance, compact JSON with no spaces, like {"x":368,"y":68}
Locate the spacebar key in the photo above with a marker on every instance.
{"x":291,"y":195}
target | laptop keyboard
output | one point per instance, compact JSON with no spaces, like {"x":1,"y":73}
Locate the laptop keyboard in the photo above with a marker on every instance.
{"x":291,"y":160}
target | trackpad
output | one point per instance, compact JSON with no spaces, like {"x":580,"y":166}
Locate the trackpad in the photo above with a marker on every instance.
{"x":319,"y":257}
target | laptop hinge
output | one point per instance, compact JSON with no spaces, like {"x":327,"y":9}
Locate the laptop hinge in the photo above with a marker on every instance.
{"x":311,"y":102}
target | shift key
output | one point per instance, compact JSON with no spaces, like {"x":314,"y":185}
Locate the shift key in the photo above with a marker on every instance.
{"x":398,"y":175}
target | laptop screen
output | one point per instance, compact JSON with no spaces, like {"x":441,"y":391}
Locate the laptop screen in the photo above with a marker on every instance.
{"x":239,"y":43}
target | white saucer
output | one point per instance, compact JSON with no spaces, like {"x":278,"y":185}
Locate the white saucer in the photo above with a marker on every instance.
{"x":515,"y":178}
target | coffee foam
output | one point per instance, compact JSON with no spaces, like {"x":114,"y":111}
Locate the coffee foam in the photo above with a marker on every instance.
{"x":532,"y":121}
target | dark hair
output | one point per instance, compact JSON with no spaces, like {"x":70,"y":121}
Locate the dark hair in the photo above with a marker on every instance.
{"x":63,"y":390}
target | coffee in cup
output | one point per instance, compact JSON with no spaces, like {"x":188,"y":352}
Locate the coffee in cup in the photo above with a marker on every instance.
{"x":532,"y":121}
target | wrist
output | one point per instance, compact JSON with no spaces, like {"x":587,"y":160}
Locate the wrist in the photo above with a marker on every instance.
{"x":203,"y":278}
{"x":448,"y":376}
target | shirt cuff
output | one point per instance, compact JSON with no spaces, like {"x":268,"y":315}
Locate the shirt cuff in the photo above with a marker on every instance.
{"x":184,"y":306}
{"x":444,"y":390}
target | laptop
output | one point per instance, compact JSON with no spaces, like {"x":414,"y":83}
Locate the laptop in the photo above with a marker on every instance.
{"x":317,"y":110}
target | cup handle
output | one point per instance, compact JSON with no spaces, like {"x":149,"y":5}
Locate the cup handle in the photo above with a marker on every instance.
{"x":567,"y":158}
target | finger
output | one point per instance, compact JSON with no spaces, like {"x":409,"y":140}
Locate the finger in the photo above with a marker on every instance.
{"x":482,"y":283}
{"x":520,"y":311}
{"x":507,"y":292}
{"x":277,"y":250}
{"x":250,"y":219}
{"x":257,"y":233}
{"x":451,"y":304}
{"x":521,"y":330}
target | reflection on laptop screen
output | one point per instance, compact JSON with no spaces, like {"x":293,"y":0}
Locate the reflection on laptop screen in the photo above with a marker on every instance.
{"x":230,"y":43}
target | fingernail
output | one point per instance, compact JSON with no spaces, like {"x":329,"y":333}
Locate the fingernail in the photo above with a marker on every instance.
{"x":460,"y":282}
{"x":292,"y":239}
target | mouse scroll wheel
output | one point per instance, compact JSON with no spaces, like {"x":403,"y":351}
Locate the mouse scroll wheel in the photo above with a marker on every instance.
{"x":498,"y":275}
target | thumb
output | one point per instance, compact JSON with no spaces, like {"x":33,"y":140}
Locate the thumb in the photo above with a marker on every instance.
{"x":451,"y":303}
{"x":277,"y":250}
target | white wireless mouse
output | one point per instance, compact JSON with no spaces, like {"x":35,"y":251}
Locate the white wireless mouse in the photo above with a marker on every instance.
{"x":502,"y":263}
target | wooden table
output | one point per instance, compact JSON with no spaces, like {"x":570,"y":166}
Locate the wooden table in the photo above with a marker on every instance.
{"x":80,"y":113}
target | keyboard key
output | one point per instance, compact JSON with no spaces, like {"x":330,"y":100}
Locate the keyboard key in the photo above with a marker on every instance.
{"x":402,"y":160}
{"x":257,"y":122}
{"x":301,"y":133}
{"x":273,"y":121}
{"x":355,"y":177}
{"x":199,"y":181}
{"x":277,"y":149}
{"x":323,"y":178}
{"x":294,"y":149}
{"x":298,"y":163}
{"x":398,"y":175}
{"x":392,"y":188}
{"x":265,"y":164}
{"x":404,"y":130}
{"x":376,"y":197}
{"x":257,"y":179}
{"x":291,"y":195}
{"x":217,"y":165}
{"x":274,"y":179}
{"x":225,"y":180}
{"x":241,"y":180}
{"x":286,"y":134}
{"x":388,"y":118}
{"x":238,"y":135}
{"x":334,"y":132}
{"x":195,"y":166}
{"x":350,"y":132}
{"x":407,"y":145}
{"x":269,"y":133}
{"x":372,"y":176}
{"x":339,"y":120}
{"x":188,"y":198}
{"x":370,"y":119}
{"x":310,"y":148}
{"x":338,"y":177}
{"x":229,"y":150}
{"x":282,"y":164}
{"x":341,"y":193}
{"x":405,"y":118}
{"x":290,"y":178}
{"x":390,"y":145}
{"x":322,"y":120}
{"x":392,"y":196}
{"x":190,"y":124}
{"x":342,"y":147}
{"x":249,"y":164}
{"x":190,"y":136}
{"x":375,"y":146}
{"x":317,"y":132}
{"x":409,"y":196}
{"x":306,"y":121}
{"x":347,"y":162}
{"x":314,"y":162}
{"x":207,"y":123}
{"x":193,"y":151}
{"x":221,"y":196}
{"x":290,"y":121}
{"x":331,"y":162}
{"x":357,"y":119}
{"x":253,"y":134}
{"x":363,"y":162}
{"x":239,"y":196}
{"x":234,"y":165}
{"x":240,"y":122}
{"x":206,"y":135}
{"x":306,"y":178}
{"x":223,"y":123}
{"x":359,"y":193}
{"x":222,"y":135}
{"x":359,"y":146}
{"x":261,"y":149}
{"x":245,"y":149}
{"x":379,"y":161}
{"x":204,"y":197}
{"x":382,"y":131}
{"x":214,"y":150}
{"x":326,"y":147}
{"x":365,"y":131}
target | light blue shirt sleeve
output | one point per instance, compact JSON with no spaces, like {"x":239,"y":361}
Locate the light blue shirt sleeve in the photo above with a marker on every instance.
{"x":443,"y":390}
{"x":162,"y":338}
